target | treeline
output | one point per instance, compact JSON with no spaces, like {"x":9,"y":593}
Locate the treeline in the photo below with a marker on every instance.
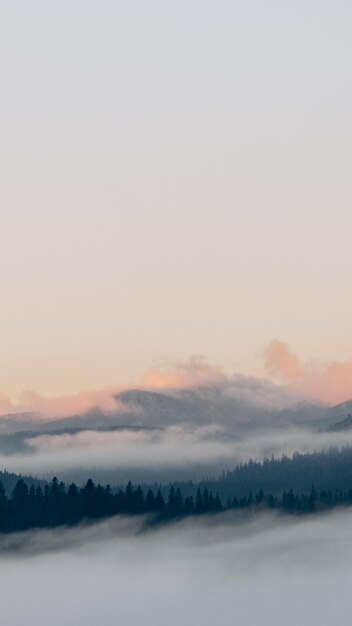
{"x":57,"y":505}
{"x":327,"y":471}
{"x":10,"y":479}
{"x":291,"y":502}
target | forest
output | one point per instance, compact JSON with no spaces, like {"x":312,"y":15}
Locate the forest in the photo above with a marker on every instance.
{"x":303,"y":484}
{"x":329,"y":470}
{"x":56,"y":505}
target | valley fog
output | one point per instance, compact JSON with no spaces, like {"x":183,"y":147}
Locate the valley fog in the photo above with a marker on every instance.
{"x":163,"y":455}
{"x":222,"y":570}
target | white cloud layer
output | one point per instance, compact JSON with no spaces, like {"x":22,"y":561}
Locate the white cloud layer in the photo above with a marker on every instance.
{"x":267,"y":572}
{"x":174,"y":447}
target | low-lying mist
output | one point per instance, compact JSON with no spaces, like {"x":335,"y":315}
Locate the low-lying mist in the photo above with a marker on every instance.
{"x":223,"y":570}
{"x":149,"y":454}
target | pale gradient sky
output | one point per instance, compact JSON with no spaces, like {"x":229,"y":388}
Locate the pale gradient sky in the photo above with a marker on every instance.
{"x":175,"y":180}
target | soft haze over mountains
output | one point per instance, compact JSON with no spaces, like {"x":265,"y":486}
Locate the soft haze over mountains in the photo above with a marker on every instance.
{"x":170,"y":433}
{"x":175,"y":181}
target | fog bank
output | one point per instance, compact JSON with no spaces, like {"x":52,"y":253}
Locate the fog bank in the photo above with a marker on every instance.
{"x":202,"y":451}
{"x":267,"y":572}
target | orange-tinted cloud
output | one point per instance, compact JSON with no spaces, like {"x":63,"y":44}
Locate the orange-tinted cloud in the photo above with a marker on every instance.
{"x":195,"y":372}
{"x":329,"y":383}
{"x":69,"y":405}
{"x":61,"y":406}
{"x":5,"y":404}
{"x":280,"y":361}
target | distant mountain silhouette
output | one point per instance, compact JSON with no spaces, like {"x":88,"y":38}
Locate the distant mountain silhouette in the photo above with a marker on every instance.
{"x":237,"y":410}
{"x":345,"y":424}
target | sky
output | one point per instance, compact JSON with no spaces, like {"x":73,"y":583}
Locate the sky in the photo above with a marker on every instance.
{"x":174,"y":180}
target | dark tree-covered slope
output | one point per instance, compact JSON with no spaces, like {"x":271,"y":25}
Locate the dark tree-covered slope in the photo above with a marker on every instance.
{"x":326,"y":470}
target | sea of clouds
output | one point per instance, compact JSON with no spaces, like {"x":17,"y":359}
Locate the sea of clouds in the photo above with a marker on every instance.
{"x":225,"y":570}
{"x":165,"y":449}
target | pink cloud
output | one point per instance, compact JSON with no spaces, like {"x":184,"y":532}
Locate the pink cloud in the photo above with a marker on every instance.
{"x":280,"y":361}
{"x":329,"y":382}
{"x":62,"y":406}
{"x":195,"y":372}
{"x":6,"y":405}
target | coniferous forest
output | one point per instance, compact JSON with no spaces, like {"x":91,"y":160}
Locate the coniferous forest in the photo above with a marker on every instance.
{"x":329,"y":470}
{"x":56,"y":504}
{"x":304,"y":484}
